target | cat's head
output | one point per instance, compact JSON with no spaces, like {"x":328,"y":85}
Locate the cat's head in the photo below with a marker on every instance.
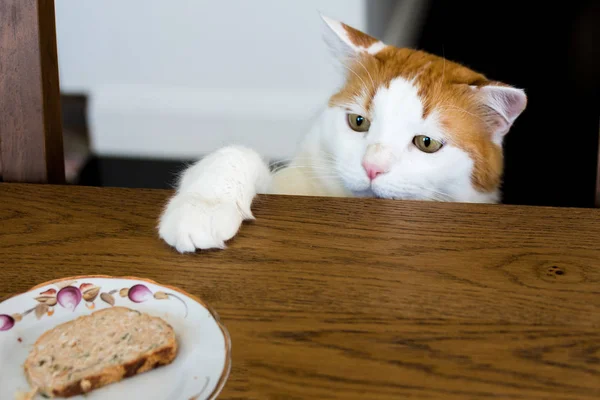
{"x":410,"y":125}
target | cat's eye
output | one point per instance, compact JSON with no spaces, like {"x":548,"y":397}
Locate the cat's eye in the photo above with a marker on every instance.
{"x":358,"y":123}
{"x":427,"y":144}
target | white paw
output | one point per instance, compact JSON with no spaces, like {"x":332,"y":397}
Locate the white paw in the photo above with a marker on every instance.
{"x":190,"y":222}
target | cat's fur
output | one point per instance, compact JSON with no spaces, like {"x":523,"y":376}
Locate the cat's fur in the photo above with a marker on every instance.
{"x":403,"y":93}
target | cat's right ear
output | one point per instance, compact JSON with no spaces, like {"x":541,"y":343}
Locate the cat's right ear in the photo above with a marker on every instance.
{"x":503,"y":104}
{"x":348,"y":42}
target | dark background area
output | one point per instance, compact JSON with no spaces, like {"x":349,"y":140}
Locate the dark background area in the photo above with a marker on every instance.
{"x":550,"y":51}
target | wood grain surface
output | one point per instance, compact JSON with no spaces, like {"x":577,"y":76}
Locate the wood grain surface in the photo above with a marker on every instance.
{"x":31,"y":147}
{"x":351,"y":298}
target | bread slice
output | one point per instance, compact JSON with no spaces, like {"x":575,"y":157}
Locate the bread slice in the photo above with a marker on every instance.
{"x":98,"y":349}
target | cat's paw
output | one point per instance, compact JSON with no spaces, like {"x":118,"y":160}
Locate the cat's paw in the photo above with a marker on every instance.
{"x":189,"y":223}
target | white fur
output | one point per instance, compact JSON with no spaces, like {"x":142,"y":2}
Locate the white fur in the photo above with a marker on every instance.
{"x":215,"y":195}
{"x":213,"y":198}
{"x":375,"y":47}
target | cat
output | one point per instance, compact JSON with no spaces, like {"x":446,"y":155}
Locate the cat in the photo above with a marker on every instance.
{"x":406,"y":124}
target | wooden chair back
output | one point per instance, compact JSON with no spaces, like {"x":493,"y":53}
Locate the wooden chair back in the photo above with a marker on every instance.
{"x":31,"y":146}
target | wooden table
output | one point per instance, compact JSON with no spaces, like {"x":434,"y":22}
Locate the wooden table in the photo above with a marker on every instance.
{"x":349,"y":298}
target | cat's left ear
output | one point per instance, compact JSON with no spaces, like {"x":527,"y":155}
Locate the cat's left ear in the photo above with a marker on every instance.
{"x":348,"y":41}
{"x":502,"y":106}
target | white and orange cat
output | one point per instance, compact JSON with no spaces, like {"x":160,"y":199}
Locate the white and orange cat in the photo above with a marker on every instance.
{"x":405,"y":125}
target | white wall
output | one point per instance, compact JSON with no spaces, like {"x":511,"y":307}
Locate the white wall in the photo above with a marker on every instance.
{"x":179,"y":78}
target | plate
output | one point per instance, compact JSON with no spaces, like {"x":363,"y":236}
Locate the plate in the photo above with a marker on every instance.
{"x":199,"y":372}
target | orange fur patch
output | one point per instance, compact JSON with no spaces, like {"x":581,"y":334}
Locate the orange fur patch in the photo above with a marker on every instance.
{"x":358,"y":38}
{"x":443,"y":86}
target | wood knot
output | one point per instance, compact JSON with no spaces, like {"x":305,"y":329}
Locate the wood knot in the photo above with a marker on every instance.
{"x":555,"y":271}
{"x":558,"y":270}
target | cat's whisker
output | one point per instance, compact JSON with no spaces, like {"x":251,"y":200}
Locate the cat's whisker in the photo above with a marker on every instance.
{"x":286,"y":161}
{"x":311,"y":162}
{"x":368,"y":73}
{"x":324,"y":157}
{"x":424,"y":192}
{"x":451,"y":107}
{"x":312,"y":171}
{"x":309,"y":167}
{"x":320,"y":177}
{"x":307,"y":170}
{"x":357,"y":75}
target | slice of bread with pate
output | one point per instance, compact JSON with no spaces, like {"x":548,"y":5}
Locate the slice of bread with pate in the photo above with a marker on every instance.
{"x":98,"y":349}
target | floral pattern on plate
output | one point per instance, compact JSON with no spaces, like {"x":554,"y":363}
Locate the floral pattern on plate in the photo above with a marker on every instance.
{"x":69,"y":296}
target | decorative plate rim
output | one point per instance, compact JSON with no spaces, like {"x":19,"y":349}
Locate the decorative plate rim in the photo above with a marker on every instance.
{"x":226,"y":368}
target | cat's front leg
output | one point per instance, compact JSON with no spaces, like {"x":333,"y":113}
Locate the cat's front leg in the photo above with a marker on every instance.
{"x":213,"y":197}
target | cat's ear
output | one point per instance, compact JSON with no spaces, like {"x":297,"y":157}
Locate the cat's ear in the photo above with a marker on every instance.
{"x":502,"y":106}
{"x":345,"y":41}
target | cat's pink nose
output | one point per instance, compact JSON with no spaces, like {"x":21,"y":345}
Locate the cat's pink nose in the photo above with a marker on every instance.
{"x":373,"y":170}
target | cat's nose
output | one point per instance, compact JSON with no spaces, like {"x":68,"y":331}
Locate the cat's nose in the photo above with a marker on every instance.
{"x":373,"y":171}
{"x":377,"y":160}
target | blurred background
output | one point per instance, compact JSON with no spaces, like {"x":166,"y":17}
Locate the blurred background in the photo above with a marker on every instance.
{"x":151,"y":85}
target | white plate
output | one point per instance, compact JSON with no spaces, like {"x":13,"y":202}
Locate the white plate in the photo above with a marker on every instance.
{"x":199,"y":371}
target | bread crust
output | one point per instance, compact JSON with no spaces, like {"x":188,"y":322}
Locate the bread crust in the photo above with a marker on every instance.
{"x":146,"y":361}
